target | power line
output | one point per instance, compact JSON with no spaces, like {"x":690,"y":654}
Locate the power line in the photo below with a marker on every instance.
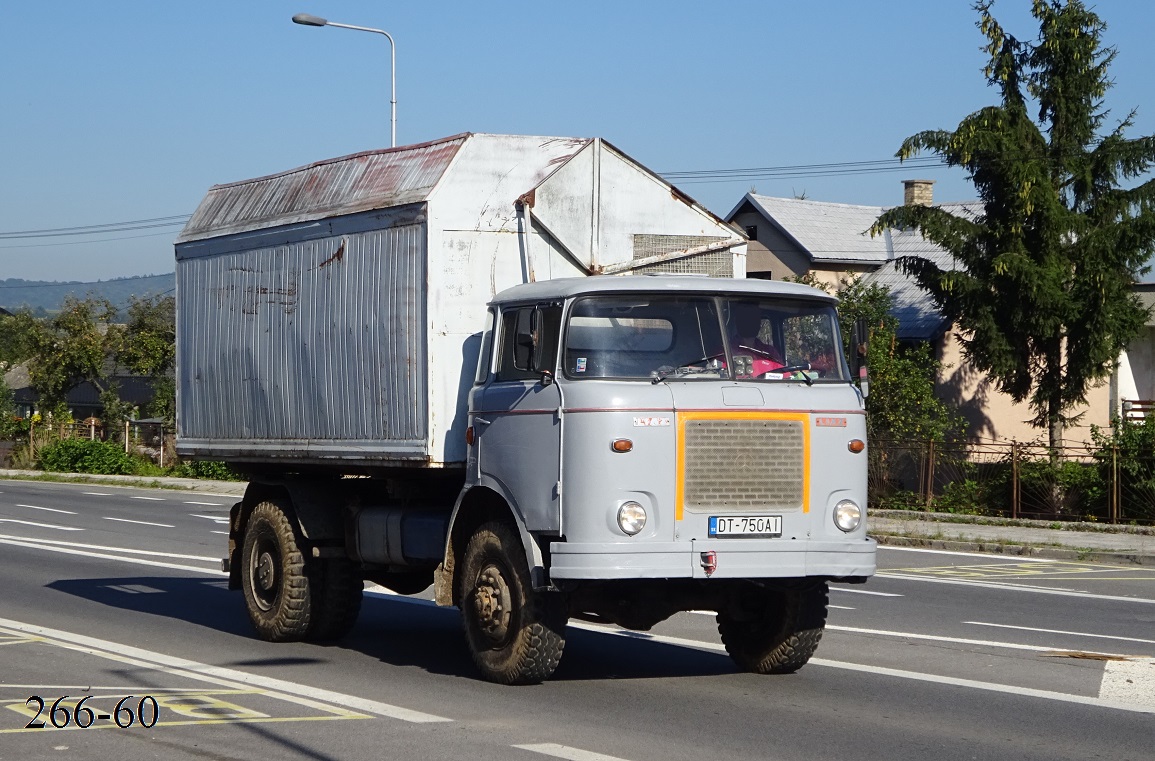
{"x":111,"y":227}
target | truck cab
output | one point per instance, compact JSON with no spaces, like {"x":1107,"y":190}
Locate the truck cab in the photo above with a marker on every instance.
{"x":664,"y":444}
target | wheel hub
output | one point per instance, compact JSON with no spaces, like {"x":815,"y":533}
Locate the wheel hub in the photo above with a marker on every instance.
{"x":491,"y":603}
{"x":265,"y":571}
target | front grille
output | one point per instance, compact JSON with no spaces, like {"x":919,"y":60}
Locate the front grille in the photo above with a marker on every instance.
{"x":743,"y":466}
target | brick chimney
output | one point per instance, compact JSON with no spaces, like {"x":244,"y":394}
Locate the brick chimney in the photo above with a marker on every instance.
{"x":918,"y":192}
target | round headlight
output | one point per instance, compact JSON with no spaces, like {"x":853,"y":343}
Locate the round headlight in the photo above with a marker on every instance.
{"x":847,"y":515}
{"x":631,"y":517}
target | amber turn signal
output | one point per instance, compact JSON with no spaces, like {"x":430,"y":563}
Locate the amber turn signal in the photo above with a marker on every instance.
{"x":856,"y":445}
{"x":469,"y":436}
{"x":622,"y":445}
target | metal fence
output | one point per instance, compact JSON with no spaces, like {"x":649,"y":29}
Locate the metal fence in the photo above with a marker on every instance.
{"x":1014,"y":480}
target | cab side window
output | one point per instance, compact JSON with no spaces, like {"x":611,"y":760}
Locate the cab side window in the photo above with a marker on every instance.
{"x":529,"y":340}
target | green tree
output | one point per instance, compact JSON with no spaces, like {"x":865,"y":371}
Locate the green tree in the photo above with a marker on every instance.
{"x":902,"y":404}
{"x":149,"y":348}
{"x":1043,"y":295}
{"x":71,"y":347}
{"x":16,"y":338}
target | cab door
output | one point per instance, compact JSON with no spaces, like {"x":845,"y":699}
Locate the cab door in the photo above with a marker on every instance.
{"x":518,"y":420}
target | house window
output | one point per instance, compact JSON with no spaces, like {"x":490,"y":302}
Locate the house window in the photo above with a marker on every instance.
{"x":752,"y":232}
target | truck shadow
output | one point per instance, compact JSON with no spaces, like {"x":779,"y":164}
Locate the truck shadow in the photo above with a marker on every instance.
{"x":398,"y":631}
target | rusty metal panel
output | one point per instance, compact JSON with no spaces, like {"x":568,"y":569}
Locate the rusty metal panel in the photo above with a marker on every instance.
{"x":346,"y":185}
{"x":308,"y":351}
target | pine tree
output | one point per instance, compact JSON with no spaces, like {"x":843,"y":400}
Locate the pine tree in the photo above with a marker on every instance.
{"x":1042,"y":297}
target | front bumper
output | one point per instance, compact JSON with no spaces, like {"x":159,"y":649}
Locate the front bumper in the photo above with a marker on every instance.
{"x":736,"y":559}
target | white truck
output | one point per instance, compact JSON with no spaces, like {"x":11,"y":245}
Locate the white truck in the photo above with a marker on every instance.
{"x":578,"y":444}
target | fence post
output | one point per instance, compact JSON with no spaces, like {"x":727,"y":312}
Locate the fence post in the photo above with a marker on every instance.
{"x":1115,"y":490}
{"x":929,"y":497}
{"x":31,"y":437}
{"x":1014,"y":479}
{"x":162,"y":446}
{"x":126,"y":424}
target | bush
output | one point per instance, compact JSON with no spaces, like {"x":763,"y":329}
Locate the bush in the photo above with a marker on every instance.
{"x":217,"y":471}
{"x":86,"y":456}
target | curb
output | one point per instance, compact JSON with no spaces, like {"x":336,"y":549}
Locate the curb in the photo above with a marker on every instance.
{"x":204,"y":486}
{"x":1017,"y":550}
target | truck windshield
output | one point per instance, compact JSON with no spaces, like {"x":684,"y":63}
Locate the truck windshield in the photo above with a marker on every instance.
{"x":638,"y":336}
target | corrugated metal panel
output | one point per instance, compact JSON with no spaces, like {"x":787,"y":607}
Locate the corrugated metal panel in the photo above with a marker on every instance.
{"x":292,"y":349}
{"x":360,"y":182}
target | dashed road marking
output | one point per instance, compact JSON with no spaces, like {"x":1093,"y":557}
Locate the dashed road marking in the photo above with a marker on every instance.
{"x":47,"y":509}
{"x":870,"y":592}
{"x":40,"y":545}
{"x":97,"y":493}
{"x":151,"y":499}
{"x":141,"y":523}
{"x":1130,"y":681}
{"x":566,"y":752}
{"x":1060,"y":631}
{"x":81,"y":545}
{"x":1018,"y":588}
{"x":213,"y":518}
{"x":206,"y":504}
{"x":41,"y":525}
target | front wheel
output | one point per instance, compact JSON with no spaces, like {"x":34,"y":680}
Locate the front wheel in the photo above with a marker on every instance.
{"x":775,"y":631}
{"x":515,"y":634}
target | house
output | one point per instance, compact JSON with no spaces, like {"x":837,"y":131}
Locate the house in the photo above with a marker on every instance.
{"x":790,"y":237}
{"x":83,"y":400}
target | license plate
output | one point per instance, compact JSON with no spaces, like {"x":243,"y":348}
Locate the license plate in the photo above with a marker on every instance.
{"x":746,"y":525}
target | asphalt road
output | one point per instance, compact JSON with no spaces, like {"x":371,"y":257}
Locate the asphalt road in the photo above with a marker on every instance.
{"x":116,"y":593}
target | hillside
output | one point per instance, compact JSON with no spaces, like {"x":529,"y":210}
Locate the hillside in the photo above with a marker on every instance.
{"x":47,"y":295}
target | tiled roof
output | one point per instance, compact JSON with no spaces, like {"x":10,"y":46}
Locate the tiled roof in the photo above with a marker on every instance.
{"x":828,"y":232}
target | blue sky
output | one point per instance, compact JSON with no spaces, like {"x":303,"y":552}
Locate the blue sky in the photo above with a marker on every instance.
{"x":118,"y":111}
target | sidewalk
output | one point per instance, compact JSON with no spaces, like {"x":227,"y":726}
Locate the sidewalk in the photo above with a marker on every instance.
{"x":223,"y":488}
{"x":1094,"y":542}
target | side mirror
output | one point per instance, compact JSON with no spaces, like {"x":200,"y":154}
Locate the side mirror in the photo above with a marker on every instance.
{"x":859,"y":346}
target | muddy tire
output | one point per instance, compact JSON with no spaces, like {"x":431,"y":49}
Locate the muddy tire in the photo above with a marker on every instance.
{"x":336,"y":588}
{"x":516,"y":635}
{"x":775,"y":631}
{"x":273,"y":576}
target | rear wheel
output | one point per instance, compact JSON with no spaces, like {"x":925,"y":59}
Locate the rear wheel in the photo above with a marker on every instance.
{"x":775,"y":631}
{"x":515,"y":634}
{"x":273,"y":577}
{"x":336,"y":588}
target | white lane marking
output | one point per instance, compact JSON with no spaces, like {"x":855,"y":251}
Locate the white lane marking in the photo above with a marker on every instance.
{"x":225,"y":533}
{"x":959,"y":640}
{"x":128,"y":550}
{"x":865,"y":592}
{"x":1129,"y":682}
{"x":33,"y":544}
{"x":47,"y":509}
{"x":134,"y":589}
{"x":840,"y":607}
{"x":1022,"y":588}
{"x":1060,"y":631}
{"x":566,"y":752}
{"x":40,"y":525}
{"x":987,"y":555}
{"x":1009,"y":689}
{"x":151,"y":499}
{"x":206,"y":504}
{"x":96,"y":493}
{"x":213,"y":518}
{"x":204,"y":672}
{"x":142,"y":523}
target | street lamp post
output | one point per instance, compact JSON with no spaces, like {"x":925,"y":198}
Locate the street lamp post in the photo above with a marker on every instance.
{"x":306,"y":20}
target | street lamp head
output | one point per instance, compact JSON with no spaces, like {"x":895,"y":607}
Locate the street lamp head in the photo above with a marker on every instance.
{"x":308,"y":20}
